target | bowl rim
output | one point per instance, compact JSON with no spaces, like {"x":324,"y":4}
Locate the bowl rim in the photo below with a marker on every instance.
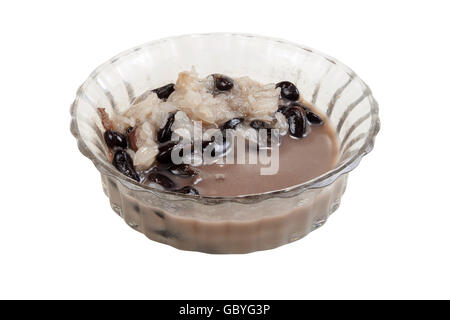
{"x":321,"y":181}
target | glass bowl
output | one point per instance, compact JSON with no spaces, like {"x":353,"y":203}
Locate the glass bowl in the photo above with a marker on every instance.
{"x":227,"y":224}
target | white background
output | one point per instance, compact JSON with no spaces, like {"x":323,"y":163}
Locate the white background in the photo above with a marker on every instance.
{"x":389,"y":239}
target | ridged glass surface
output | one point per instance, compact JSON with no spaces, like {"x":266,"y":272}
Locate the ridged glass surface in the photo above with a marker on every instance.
{"x":332,"y":87}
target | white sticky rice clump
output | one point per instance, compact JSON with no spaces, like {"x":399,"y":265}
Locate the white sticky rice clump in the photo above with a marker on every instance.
{"x":254,"y":100}
{"x":248,"y":98}
{"x":183,"y":126}
{"x":147,"y":114}
{"x":281,"y":123}
{"x":194,"y":99}
{"x":194,"y":96}
{"x":147,"y":146}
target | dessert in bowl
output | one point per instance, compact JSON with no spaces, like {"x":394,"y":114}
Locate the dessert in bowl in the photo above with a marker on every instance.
{"x":311,"y":116}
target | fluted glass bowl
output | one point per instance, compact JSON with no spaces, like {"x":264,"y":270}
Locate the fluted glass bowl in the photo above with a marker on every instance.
{"x":227,"y":224}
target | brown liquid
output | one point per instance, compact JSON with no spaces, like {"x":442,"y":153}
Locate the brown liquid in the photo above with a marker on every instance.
{"x":233,"y":227}
{"x":225,"y":228}
{"x":300,"y":160}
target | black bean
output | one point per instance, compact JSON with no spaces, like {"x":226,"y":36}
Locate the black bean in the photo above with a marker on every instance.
{"x":165,"y":133}
{"x":205,"y":144}
{"x":259,"y":124}
{"x":285,"y":104}
{"x":283,"y":108}
{"x":183,"y":170}
{"x":305,"y":107}
{"x":288,"y":103}
{"x":167,"y":145}
{"x":123,"y":162}
{"x":188,"y":190}
{"x":231,"y":124}
{"x":165,"y":91}
{"x":313,"y":118}
{"x":219,"y":148}
{"x":162,"y":180}
{"x":288,"y":90}
{"x":296,"y":118}
{"x":115,"y":139}
{"x":165,"y":152}
{"x":222,"y":82}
